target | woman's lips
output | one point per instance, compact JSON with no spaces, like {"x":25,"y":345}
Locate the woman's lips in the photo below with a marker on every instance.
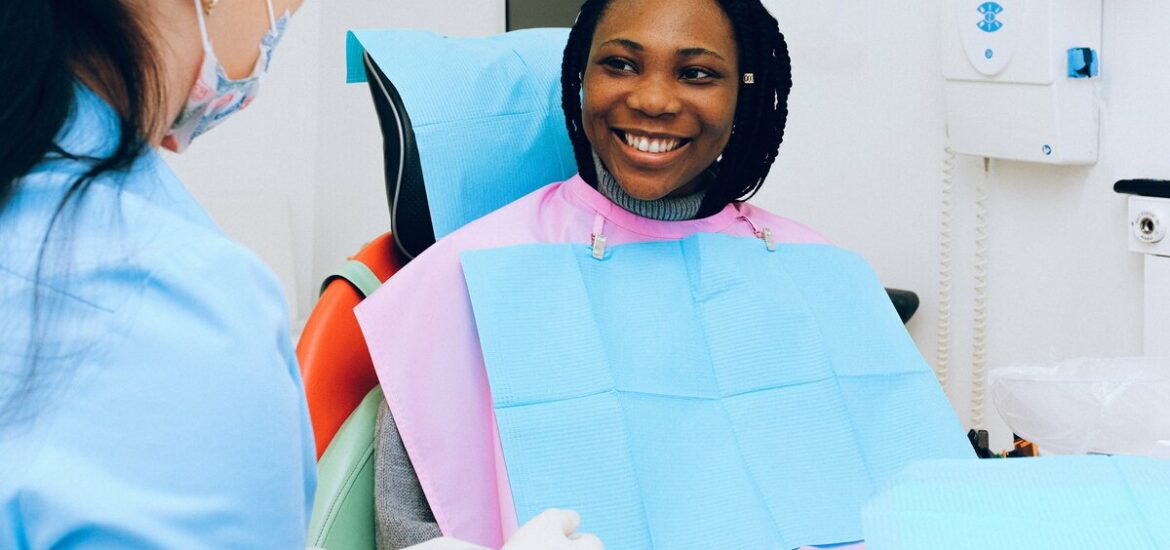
{"x":648,"y":159}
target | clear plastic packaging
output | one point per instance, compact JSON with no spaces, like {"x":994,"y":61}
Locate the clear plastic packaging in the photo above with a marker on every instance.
{"x":1080,"y":406}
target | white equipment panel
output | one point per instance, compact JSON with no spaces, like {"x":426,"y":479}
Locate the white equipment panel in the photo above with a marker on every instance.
{"x":1021,"y":78}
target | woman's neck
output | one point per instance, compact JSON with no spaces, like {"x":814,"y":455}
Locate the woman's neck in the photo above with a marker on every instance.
{"x":668,"y":208}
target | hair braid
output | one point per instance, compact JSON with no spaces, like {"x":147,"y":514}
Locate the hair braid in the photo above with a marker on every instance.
{"x":572,"y":72}
{"x":762,"y":108}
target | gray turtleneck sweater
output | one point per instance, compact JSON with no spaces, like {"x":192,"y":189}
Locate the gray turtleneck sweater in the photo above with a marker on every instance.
{"x":670,"y":209}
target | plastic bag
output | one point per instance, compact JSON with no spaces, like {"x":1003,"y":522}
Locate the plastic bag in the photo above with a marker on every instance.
{"x":1080,"y":406}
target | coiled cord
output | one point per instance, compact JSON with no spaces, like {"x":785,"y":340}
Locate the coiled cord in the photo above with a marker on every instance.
{"x":945,"y":266}
{"x":979,"y":323}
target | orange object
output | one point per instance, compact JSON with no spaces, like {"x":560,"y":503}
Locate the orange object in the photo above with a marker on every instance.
{"x":335,"y":363}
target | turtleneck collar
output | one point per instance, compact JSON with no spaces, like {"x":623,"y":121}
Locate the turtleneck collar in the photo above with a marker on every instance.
{"x":668,"y":209}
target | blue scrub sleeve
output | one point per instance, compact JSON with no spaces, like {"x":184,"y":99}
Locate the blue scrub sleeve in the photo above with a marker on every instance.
{"x":187,"y":427}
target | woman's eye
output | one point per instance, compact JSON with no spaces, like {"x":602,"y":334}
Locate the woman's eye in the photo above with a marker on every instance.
{"x":696,"y":73}
{"x":619,"y":64}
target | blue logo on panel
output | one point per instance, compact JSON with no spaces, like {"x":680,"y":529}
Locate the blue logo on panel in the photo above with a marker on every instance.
{"x":990,"y":22}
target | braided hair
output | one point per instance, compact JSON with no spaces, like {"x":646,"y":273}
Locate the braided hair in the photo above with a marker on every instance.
{"x":760,"y":113}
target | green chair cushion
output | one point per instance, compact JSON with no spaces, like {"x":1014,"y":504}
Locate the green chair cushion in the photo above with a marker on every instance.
{"x":343,"y":509}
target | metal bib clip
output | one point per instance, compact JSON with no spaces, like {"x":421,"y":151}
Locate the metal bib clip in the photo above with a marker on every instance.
{"x":599,"y":247}
{"x":770,"y":241}
{"x":597,"y":239}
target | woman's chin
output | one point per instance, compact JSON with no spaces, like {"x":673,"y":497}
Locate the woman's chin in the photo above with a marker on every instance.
{"x":645,"y":190}
{"x":651,"y":187}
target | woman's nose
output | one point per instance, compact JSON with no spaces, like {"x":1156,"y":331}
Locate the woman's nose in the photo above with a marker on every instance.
{"x":654,"y":97}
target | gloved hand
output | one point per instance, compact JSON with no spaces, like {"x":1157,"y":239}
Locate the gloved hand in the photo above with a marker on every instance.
{"x":553,"y":529}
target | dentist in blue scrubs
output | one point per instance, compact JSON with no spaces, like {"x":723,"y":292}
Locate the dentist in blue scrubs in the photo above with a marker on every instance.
{"x":149,"y":395}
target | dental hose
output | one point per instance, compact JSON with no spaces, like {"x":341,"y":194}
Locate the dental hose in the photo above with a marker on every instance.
{"x":979,"y":324}
{"x":943,"y":353}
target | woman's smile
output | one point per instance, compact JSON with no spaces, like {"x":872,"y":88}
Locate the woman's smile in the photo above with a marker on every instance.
{"x":651,"y":151}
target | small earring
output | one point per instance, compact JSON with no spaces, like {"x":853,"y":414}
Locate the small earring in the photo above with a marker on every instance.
{"x":209,"y":6}
{"x":748,"y":78}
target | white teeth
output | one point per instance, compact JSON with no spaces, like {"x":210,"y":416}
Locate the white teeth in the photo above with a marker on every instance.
{"x":649,"y":145}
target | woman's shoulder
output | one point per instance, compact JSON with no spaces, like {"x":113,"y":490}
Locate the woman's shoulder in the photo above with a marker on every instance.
{"x":181,"y":339}
{"x":532,"y":218}
{"x":137,"y":245}
{"x":127,"y":228}
{"x":134,"y":260}
{"x":433,"y":281}
{"x":527,"y":219}
{"x":785,"y":230}
{"x":183,"y":269}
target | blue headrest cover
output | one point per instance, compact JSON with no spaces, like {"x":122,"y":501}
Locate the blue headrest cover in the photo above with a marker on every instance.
{"x":486,"y":113}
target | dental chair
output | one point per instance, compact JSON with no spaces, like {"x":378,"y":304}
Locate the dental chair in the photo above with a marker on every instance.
{"x":340,"y":382}
{"x":335,"y":363}
{"x":501,"y":93}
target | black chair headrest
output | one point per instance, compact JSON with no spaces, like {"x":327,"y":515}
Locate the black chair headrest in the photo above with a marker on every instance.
{"x":410,"y":215}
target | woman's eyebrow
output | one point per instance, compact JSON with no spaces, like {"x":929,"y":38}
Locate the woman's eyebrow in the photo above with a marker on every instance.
{"x":694,"y":51}
{"x":697,"y":52}
{"x":626,"y":43}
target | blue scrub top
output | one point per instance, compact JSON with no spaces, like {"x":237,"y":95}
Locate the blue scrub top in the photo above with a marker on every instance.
{"x":168,"y":408}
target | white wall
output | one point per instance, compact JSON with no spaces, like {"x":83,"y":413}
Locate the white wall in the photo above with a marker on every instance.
{"x":862,"y":162}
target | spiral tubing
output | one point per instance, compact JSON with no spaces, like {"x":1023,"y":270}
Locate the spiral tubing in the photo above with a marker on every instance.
{"x":945,"y":266}
{"x":979,"y":323}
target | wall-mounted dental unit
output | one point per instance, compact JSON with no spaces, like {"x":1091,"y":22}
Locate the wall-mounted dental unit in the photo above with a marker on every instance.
{"x":1021,"y":78}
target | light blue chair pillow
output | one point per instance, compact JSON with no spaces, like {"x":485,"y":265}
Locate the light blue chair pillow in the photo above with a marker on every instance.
{"x":486,"y":113}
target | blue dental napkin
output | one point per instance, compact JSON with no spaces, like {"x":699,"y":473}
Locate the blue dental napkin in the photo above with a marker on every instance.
{"x":703,"y":393}
{"x":488,"y":138}
{"x":1049,"y":502}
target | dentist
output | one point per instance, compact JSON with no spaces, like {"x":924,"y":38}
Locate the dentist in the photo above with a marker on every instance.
{"x":149,"y":394}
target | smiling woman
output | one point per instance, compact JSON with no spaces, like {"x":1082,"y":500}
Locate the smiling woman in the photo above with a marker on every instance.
{"x":623,"y":343}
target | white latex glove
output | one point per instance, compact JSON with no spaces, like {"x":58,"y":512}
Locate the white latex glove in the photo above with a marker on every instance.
{"x":446,"y":543}
{"x":553,"y":529}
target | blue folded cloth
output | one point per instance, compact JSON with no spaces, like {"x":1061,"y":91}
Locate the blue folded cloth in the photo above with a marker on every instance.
{"x":1048,"y":502}
{"x":703,"y":393}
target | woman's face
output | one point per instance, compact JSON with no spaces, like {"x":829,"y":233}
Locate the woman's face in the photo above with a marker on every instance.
{"x":660,"y":88}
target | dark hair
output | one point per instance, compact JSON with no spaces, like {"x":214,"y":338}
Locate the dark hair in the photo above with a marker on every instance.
{"x":50,"y":47}
{"x":760,"y":113}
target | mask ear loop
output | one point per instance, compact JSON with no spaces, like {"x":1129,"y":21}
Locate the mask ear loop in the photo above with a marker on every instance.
{"x":202,"y":26}
{"x":271,"y":17}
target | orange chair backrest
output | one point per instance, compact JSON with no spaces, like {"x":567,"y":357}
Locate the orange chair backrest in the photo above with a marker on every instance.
{"x":335,"y":364}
